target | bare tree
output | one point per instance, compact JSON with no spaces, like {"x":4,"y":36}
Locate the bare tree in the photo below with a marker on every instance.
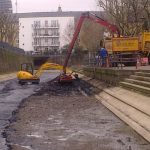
{"x":125,"y":13}
{"x":68,"y":32}
{"x":89,"y":38}
{"x":146,"y":15}
{"x":8,"y":28}
{"x":91,"y":35}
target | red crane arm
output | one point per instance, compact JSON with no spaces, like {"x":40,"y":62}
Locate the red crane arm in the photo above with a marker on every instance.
{"x":94,"y":18}
{"x":113,"y":28}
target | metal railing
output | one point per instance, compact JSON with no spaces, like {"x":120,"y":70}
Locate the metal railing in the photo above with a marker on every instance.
{"x":118,"y":61}
{"x":122,"y":60}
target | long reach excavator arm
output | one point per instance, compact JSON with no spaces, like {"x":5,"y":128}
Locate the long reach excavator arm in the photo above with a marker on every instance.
{"x":94,"y":18}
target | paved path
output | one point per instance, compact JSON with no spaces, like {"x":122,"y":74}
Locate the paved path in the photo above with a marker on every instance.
{"x":6,"y":77}
{"x":11,"y":95}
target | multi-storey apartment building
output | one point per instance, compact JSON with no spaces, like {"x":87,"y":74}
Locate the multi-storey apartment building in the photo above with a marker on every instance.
{"x":45,"y":34}
{"x":44,"y":31}
{"x":5,"y":6}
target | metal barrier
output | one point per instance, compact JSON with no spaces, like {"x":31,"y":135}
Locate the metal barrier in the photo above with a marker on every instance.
{"x":121,"y":60}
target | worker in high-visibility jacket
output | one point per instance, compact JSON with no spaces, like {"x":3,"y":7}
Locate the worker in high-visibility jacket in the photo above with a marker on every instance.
{"x":103,"y":56}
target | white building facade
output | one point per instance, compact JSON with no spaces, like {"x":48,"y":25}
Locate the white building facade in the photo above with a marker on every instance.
{"x":43,"y":33}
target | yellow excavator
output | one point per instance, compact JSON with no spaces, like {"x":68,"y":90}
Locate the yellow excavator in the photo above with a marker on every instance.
{"x":26,"y":74}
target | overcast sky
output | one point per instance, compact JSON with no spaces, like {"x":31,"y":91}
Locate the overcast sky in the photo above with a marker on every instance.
{"x":52,"y":5}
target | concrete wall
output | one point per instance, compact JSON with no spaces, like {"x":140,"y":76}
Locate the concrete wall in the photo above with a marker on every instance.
{"x":111,"y":76}
{"x":10,"y":61}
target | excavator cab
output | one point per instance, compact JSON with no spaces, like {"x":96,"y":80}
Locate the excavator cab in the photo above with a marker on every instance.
{"x":28,"y":67}
{"x":25,"y":75}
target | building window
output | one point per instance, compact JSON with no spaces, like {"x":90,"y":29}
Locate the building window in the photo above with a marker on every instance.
{"x":46,"y":23}
{"x":46,"y":48}
{"x":55,"y":41}
{"x":39,"y":32}
{"x":46,"y":40}
{"x":54,"y":23}
{"x":46,"y":31}
{"x":35,"y":41}
{"x":37,"y":23}
{"x":39,"y":41}
{"x":35,"y":33}
{"x":56,"y":33}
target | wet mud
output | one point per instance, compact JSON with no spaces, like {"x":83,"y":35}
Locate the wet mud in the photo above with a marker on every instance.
{"x":61,"y":117}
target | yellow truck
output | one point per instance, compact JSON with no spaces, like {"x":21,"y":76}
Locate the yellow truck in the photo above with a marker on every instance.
{"x":127,"y":47}
{"x":145,"y":42}
{"x":129,"y":44}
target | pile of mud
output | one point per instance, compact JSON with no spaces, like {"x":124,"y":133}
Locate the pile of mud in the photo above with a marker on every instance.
{"x":55,"y":88}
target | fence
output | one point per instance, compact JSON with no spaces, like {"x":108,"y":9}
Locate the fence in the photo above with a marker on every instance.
{"x":91,"y":59}
{"x":78,"y":60}
{"x":117,"y":60}
{"x":122,"y":60}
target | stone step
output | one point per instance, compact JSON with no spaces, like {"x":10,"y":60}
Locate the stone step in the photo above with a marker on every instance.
{"x":138,"y":82}
{"x":139,"y":88}
{"x":136,"y":100}
{"x":144,"y":74}
{"x":140,"y":78}
{"x":139,"y":121}
{"x":145,"y":71}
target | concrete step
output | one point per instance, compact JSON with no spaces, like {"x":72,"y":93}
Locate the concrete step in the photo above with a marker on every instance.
{"x":138,"y":82}
{"x":135,"y":77}
{"x":131,"y":107}
{"x":144,"y":74}
{"x":136,"y":100}
{"x":139,"y":121}
{"x":85,"y":78}
{"x":139,"y":88}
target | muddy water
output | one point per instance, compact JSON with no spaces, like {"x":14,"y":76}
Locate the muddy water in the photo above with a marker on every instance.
{"x":60,"y":117}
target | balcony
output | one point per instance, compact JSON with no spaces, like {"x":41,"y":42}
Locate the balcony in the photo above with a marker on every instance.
{"x":45,"y":35}
{"x":46,"y":45}
{"x":45,"y":26}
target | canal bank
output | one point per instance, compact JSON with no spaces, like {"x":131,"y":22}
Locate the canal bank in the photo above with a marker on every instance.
{"x":127,"y":95}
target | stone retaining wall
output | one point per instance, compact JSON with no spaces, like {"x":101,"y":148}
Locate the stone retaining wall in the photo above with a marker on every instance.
{"x":111,"y":76}
{"x":131,"y":107}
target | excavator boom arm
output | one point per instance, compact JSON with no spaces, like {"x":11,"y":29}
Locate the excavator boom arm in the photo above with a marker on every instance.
{"x":46,"y":66}
{"x":92,"y":17}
